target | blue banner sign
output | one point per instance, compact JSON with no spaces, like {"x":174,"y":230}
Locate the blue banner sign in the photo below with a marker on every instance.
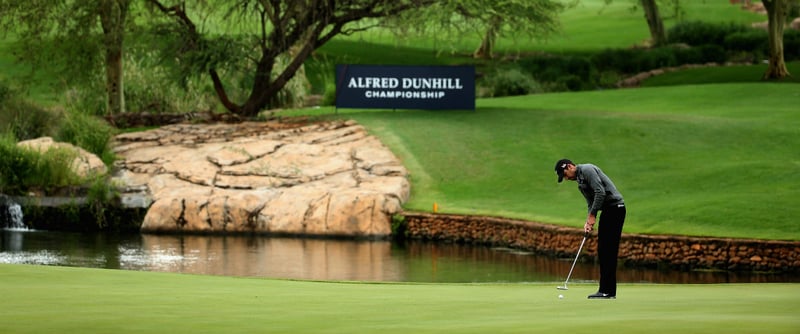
{"x":405,"y":87}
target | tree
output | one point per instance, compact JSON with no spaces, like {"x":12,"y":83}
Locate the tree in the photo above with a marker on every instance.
{"x":490,"y":19}
{"x":277,"y":28}
{"x":113,"y":14}
{"x":777,"y":11}
{"x":655,"y":21}
{"x":658,"y":36}
{"x":46,"y":30}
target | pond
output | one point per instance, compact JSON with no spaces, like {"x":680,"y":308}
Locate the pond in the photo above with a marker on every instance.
{"x":323,"y":259}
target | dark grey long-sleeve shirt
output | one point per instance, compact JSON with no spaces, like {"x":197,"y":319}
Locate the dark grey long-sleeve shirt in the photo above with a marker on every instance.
{"x":597,"y":188}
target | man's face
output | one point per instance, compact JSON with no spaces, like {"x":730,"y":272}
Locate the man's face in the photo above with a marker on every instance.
{"x":571,"y":172}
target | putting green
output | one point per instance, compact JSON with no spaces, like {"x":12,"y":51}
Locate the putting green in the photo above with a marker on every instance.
{"x":40,"y":299}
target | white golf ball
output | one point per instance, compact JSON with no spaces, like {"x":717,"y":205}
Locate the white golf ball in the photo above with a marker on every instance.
{"x":560,"y":296}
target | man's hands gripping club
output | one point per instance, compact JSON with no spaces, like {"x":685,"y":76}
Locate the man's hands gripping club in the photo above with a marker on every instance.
{"x":589,"y":225}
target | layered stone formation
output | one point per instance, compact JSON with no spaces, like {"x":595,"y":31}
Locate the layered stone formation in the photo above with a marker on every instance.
{"x":326,"y":179}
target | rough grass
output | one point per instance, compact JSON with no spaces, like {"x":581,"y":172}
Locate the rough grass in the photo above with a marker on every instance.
{"x":40,"y":299}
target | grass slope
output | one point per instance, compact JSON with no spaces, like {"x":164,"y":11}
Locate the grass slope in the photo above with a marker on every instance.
{"x":40,"y":299}
{"x":590,"y":26}
{"x":716,"y":75}
{"x":708,"y":160}
{"x":594,"y":25}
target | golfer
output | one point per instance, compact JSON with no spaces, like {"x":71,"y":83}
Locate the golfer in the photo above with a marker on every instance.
{"x":601,"y":196}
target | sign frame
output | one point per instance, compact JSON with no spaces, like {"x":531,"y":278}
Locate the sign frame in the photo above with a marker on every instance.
{"x":405,"y":87}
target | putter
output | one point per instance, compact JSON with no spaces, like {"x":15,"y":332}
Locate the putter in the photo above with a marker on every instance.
{"x":585,"y":235}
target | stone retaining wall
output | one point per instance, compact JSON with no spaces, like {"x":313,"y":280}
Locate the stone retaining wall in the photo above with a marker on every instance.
{"x":686,"y":253}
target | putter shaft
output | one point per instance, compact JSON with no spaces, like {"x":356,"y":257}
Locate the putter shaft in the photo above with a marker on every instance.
{"x":585,"y":235}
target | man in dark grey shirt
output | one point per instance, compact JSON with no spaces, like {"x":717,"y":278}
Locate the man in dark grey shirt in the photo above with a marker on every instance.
{"x":601,"y":196}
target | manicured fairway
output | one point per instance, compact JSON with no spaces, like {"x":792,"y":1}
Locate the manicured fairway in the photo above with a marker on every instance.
{"x":718,"y":159}
{"x":40,"y":299}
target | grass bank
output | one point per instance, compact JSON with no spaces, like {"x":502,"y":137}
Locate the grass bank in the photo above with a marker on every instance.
{"x":590,"y":26}
{"x":701,"y":160}
{"x":718,"y":75}
{"x":41,"y":299}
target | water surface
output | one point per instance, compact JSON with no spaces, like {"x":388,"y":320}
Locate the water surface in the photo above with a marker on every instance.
{"x":323,"y":259}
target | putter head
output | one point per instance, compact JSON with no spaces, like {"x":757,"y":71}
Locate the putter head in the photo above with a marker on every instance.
{"x":562,"y":287}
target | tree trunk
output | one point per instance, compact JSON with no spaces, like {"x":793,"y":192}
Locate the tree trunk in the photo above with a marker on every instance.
{"x":486,"y":48}
{"x":115,"y":103}
{"x":658,"y":36}
{"x":112,"y":17}
{"x":219,"y":88}
{"x":265,"y":87}
{"x":776,"y":13}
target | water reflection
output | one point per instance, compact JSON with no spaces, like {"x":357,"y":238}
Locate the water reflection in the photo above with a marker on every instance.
{"x":322,"y":259}
{"x":314,"y":259}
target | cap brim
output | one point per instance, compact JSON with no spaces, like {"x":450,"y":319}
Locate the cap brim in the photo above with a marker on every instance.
{"x":560,"y":173}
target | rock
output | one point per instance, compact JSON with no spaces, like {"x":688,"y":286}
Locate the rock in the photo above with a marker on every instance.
{"x":84,"y":165}
{"x":325,"y":179}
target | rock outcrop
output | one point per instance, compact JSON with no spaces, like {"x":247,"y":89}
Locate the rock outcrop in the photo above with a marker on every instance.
{"x":325,"y":179}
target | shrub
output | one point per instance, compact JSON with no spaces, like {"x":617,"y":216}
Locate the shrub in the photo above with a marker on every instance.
{"x":571,"y":82}
{"x":26,"y":120}
{"x":700,"y":33}
{"x":23,"y":169}
{"x":326,"y":79}
{"x":655,"y":58}
{"x":754,"y":40}
{"x":294,"y":93}
{"x":150,"y":87}
{"x":99,"y":194}
{"x":791,"y":44}
{"x":21,"y":118}
{"x":329,"y":97}
{"x":399,"y":227}
{"x":5,"y":92}
{"x":618,"y":60}
{"x":700,"y":54}
{"x":630,"y":61}
{"x":608,"y":79}
{"x":510,"y":81}
{"x":88,"y":132}
{"x":688,"y":55}
{"x":712,"y":54}
{"x":176,"y":81}
{"x":551,"y":68}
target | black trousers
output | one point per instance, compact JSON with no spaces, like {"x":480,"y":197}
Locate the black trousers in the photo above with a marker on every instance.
{"x":609,"y":233}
